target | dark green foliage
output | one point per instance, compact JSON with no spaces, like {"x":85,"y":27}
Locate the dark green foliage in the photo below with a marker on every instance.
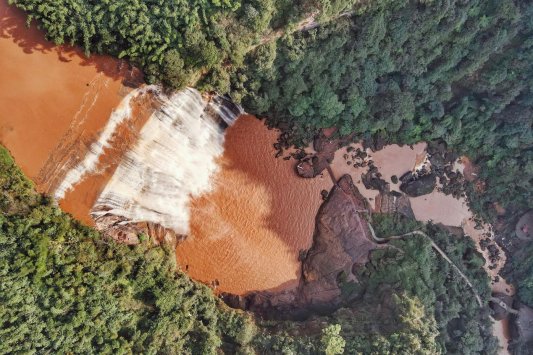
{"x":522,"y":273}
{"x":407,"y":71}
{"x":65,"y":289}
{"x":174,"y":41}
{"x":419,"y":271}
{"x":410,"y":301}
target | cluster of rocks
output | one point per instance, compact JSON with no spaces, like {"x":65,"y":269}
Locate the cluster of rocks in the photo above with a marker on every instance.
{"x":438,"y":165}
{"x":124,"y":231}
{"x":373,"y":180}
{"x":442,"y":165}
{"x":493,"y":251}
{"x":357,"y":157}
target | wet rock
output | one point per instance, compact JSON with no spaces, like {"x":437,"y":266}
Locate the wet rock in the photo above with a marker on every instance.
{"x":437,"y":161}
{"x":234,"y":301}
{"x":372,"y":180}
{"x":299,"y":155}
{"x":498,"y":312}
{"x":305,"y":169}
{"x":418,"y":186}
{"x":325,"y":152}
{"x":394,"y":179}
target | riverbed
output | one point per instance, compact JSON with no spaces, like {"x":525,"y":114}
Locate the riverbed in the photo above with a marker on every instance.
{"x":246,"y":233}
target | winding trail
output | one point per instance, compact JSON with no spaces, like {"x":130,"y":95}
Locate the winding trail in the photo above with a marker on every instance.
{"x":434,"y":246}
{"x":416,"y":232}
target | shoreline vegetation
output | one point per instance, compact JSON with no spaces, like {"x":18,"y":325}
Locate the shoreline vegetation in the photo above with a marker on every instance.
{"x":64,"y":288}
{"x":456,"y":72}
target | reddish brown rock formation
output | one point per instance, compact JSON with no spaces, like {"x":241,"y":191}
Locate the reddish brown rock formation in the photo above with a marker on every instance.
{"x":394,"y":202}
{"x":341,"y":242}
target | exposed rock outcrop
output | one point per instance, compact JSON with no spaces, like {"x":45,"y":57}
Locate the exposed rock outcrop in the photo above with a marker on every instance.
{"x":394,"y":202}
{"x":325,"y":149}
{"x":499,"y":312}
{"x":372,"y":179}
{"x":341,"y":243}
{"x":417,"y":186}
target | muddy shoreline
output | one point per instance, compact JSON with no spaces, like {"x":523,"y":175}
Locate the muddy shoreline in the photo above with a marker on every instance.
{"x":251,"y":236}
{"x":391,"y":197}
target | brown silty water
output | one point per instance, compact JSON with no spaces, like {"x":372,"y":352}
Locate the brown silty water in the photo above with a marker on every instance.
{"x":248,"y":232}
{"x":56,"y":103}
{"x":245,"y":235}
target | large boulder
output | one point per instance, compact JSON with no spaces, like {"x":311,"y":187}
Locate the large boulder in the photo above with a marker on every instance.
{"x":498,"y":312}
{"x":524,"y":227}
{"x":415,"y":186}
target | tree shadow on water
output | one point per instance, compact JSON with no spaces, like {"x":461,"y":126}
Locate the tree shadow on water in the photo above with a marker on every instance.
{"x":13,"y":26}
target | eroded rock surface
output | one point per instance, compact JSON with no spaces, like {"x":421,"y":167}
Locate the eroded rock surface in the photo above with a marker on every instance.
{"x":394,"y":202}
{"x":341,"y":243}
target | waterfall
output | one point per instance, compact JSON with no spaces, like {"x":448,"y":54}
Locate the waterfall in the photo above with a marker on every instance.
{"x":174,"y":159}
{"x":91,"y":159}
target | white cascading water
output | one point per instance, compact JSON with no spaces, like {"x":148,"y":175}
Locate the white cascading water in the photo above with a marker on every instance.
{"x":90,"y":162}
{"x":174,"y":159}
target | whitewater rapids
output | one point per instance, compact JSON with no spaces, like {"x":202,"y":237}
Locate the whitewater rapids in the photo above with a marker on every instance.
{"x":173,"y":160}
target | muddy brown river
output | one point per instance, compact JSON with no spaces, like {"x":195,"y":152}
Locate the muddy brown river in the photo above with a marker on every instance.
{"x":246,"y":233}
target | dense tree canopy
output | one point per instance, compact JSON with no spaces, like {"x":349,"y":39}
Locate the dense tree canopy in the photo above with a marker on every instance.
{"x":64,"y":289}
{"x":455,"y":71}
{"x":409,"y":71}
{"x":407,"y":300}
{"x":175,"y":42}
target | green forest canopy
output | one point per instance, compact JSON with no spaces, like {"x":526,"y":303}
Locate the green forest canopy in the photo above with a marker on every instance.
{"x":176,"y":42}
{"x":408,"y":300}
{"x":456,"y":71}
{"x":406,"y":71}
{"x":63,"y":288}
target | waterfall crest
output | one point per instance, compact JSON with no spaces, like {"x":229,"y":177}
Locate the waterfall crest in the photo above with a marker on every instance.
{"x":174,"y":159}
{"x":90,"y":162}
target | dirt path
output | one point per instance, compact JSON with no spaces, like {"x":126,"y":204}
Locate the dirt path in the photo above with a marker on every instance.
{"x":306,"y":24}
{"x":434,"y":246}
